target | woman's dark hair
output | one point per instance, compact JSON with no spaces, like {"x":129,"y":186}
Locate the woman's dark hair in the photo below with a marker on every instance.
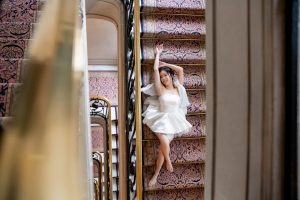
{"x":168,"y":70}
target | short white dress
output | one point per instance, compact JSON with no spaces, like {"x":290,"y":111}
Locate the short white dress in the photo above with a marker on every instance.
{"x":165,"y":114}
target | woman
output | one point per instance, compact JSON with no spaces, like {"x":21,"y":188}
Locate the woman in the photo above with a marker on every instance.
{"x":165,"y":114}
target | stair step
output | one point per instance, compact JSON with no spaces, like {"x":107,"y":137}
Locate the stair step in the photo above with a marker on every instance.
{"x":10,"y":70}
{"x":150,"y":64}
{"x":198,"y":130}
{"x":178,"y":194}
{"x":18,"y":11}
{"x":8,"y":95}
{"x":194,"y":76}
{"x":181,"y":151}
{"x":183,"y":176}
{"x":12,"y":4}
{"x":196,"y":7}
{"x":183,"y":51}
{"x":21,"y":30}
{"x":13,"y":49}
{"x":168,"y":26}
{"x":197,"y":99}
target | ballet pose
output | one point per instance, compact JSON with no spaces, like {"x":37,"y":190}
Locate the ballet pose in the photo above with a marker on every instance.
{"x":165,"y":114}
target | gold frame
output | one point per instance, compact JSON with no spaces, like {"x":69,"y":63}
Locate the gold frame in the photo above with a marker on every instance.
{"x":139,"y":167}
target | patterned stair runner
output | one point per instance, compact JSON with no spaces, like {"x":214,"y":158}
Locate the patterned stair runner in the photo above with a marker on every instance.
{"x":17,"y":20}
{"x":180,"y":25}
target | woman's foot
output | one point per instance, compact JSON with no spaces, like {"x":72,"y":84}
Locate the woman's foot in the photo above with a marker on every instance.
{"x":153,"y":180}
{"x":169,"y":165}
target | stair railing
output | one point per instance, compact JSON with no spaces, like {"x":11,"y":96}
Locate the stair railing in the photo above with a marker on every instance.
{"x":133,"y":107}
{"x":98,"y":183}
{"x":97,"y":194}
{"x":50,"y":116}
{"x":101,"y":107}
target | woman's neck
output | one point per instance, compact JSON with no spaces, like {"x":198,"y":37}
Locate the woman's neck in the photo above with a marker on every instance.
{"x":170,"y":87}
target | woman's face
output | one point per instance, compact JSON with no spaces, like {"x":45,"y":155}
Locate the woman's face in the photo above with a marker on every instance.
{"x":165,"y":78}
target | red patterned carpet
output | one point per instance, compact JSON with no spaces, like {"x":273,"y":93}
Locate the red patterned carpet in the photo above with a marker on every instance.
{"x":180,"y":25}
{"x":16,"y":28}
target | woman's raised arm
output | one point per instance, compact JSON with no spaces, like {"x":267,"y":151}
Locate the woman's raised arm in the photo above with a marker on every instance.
{"x":157,"y":82}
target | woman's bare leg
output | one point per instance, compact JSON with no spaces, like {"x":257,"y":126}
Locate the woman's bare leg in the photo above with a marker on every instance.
{"x":159,"y":163}
{"x":165,"y":149}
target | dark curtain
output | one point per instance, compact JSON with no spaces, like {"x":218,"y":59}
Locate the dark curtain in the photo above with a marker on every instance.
{"x":292,"y":32}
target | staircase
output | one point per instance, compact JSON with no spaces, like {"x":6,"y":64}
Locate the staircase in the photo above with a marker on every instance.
{"x":180,"y":25}
{"x":17,"y":21}
{"x":106,"y":84}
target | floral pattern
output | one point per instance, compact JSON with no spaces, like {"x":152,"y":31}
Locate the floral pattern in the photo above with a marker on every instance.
{"x":182,"y":177}
{"x":20,"y":30}
{"x":10,"y":70}
{"x":179,"y":194}
{"x":104,"y":84}
{"x":170,"y":26}
{"x":174,"y":6}
{"x":18,"y":11}
{"x":198,"y":101}
{"x":181,"y":151}
{"x":12,"y":48}
{"x":188,"y":51}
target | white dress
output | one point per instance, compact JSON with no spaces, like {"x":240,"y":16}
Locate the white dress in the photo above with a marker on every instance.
{"x":166,"y":113}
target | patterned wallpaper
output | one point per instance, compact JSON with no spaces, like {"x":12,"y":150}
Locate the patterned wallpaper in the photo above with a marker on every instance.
{"x":104,"y":84}
{"x":97,"y":138}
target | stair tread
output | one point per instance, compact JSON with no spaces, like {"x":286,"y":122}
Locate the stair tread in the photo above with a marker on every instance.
{"x":166,"y":6}
{"x":178,"y":194}
{"x":13,"y":48}
{"x":182,"y":177}
{"x":181,"y":151}
{"x":21,"y":13}
{"x":16,"y":30}
{"x":10,"y":70}
{"x":150,"y":64}
{"x":170,"y":27}
{"x":8,"y":4}
{"x":175,"y":51}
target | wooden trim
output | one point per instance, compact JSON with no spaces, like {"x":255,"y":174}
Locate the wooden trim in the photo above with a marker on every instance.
{"x":122,"y":167}
{"x":138,"y":104}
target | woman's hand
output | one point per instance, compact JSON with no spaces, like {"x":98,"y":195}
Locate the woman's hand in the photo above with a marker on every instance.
{"x":159,"y":48}
{"x":161,"y":64}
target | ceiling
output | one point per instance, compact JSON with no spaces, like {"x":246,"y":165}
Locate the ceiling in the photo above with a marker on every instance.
{"x":102,"y":22}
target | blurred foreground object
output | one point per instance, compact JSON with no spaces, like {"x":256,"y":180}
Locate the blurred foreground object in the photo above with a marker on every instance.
{"x":39,"y":157}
